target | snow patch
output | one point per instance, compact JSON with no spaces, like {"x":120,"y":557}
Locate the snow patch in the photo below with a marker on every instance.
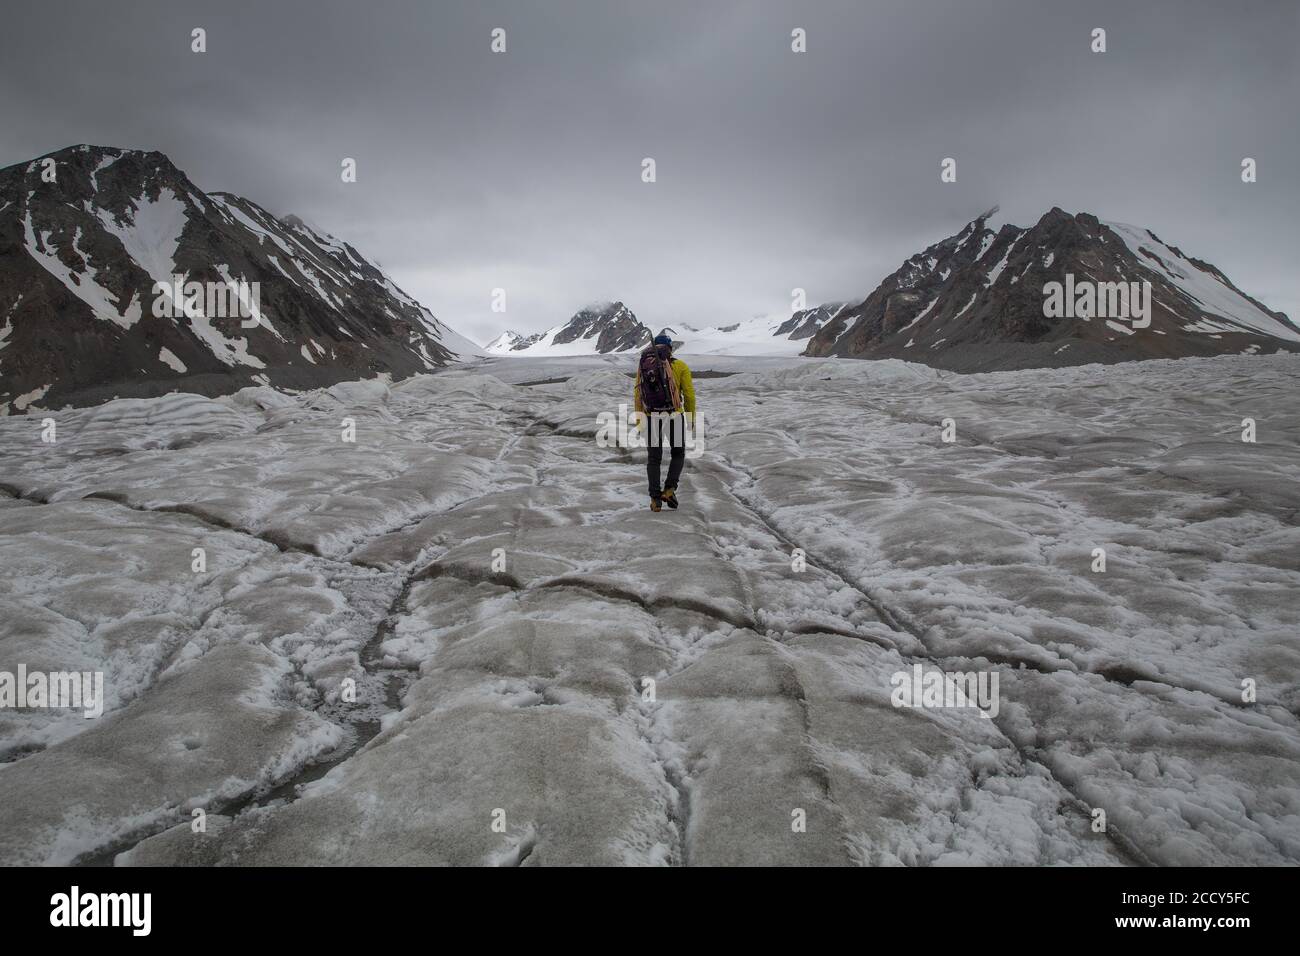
{"x":168,"y":358}
{"x":23,"y":401}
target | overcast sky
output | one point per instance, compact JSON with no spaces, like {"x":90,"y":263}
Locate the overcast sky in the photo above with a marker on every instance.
{"x":775,"y":169}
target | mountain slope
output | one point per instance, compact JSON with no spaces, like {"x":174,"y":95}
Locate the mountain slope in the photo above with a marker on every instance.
{"x":975,"y":302}
{"x":79,"y":258}
{"x":504,"y":342}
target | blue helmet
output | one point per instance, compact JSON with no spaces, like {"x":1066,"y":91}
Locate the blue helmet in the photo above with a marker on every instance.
{"x":663,"y":340}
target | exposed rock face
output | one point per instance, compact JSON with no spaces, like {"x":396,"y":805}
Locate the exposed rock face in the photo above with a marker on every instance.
{"x":975,"y":301}
{"x":80,"y":256}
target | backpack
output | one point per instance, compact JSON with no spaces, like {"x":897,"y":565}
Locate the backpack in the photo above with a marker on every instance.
{"x":658,"y":384}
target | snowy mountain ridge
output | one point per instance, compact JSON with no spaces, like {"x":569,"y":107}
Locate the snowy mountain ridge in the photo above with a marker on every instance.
{"x":975,"y":301}
{"x":504,"y":342}
{"x":596,"y":329}
{"x":87,"y":232}
{"x":759,"y":335}
{"x":582,"y":334}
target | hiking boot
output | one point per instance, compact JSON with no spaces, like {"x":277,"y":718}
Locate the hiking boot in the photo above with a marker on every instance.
{"x":670,"y":498}
{"x":655,"y":505}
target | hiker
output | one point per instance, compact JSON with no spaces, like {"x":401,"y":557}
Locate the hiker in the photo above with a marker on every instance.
{"x":664,"y":394}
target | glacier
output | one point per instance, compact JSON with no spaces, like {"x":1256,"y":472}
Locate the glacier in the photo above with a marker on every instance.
{"x":461,"y":637}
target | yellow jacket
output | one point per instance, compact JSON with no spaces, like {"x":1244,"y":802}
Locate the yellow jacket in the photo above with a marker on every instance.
{"x":684,"y":387}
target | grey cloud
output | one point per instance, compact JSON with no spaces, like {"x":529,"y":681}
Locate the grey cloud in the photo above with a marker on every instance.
{"x":776,"y":170}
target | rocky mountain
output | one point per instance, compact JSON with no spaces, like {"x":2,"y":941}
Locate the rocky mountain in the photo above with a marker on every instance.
{"x":595,"y":330}
{"x":805,"y":323}
{"x":978,"y":301}
{"x":86,"y":232}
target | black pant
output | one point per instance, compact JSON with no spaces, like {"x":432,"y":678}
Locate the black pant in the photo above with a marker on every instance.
{"x":661,"y":428}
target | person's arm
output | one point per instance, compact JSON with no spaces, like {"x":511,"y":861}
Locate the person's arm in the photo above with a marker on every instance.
{"x":636,"y":397}
{"x":688,"y":392}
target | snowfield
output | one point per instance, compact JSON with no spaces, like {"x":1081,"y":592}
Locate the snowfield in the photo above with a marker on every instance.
{"x":315,"y":640}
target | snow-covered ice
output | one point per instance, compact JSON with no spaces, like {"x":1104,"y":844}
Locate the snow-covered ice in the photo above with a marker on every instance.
{"x":352,"y":676}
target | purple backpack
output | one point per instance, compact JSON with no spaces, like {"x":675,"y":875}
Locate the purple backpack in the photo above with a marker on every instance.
{"x":658,"y":386}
